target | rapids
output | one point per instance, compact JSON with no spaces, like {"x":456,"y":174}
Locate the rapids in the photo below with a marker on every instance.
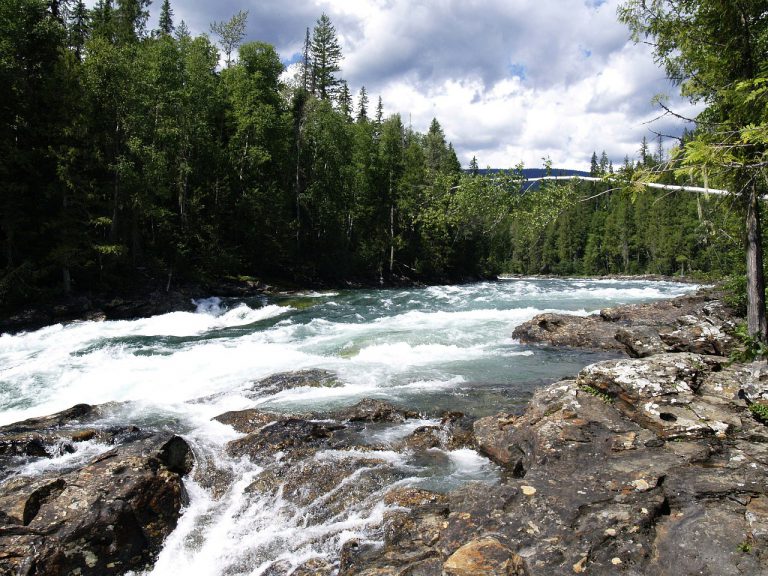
{"x":428,"y":349}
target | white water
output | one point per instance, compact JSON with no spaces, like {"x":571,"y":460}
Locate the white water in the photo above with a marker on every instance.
{"x":432,"y":349}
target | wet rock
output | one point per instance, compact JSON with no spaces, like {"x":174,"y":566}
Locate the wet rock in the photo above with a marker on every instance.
{"x":459,"y":430}
{"x":292,"y":437}
{"x":108,"y":516}
{"x":411,"y":533}
{"x":454,"y":432}
{"x":370,"y":410}
{"x":248,"y":421}
{"x":275,"y":383}
{"x":699,"y":323}
{"x":78,"y":413}
{"x":54,"y":435}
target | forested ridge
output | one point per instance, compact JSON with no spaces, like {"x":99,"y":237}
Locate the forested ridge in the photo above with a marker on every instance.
{"x":133,"y":155}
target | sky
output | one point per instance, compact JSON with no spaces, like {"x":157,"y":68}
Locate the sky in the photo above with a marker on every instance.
{"x":509,"y":80}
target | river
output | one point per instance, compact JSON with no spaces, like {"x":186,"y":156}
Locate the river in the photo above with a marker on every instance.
{"x":428,"y":349}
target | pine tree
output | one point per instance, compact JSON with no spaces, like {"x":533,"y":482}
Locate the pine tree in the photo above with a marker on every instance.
{"x":103,"y":20}
{"x":379,"y":112}
{"x":326,"y":56}
{"x":645,"y":155}
{"x":131,"y":20}
{"x":603,"y":164}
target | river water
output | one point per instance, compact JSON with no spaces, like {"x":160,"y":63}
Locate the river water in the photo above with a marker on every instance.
{"x":428,"y":349}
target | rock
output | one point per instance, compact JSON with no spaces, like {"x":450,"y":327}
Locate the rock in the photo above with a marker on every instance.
{"x":107,"y":517}
{"x":484,"y":556}
{"x":572,"y":331}
{"x":493,"y":437}
{"x":54,"y":435}
{"x":410,"y":538}
{"x":623,"y":469}
{"x":288,"y":380}
{"x":78,"y":413}
{"x":248,"y":421}
{"x":698,"y":323}
{"x":370,"y":410}
{"x":293,"y":437}
{"x":662,"y":394}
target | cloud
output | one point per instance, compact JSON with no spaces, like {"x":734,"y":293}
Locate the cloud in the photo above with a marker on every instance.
{"x":508,"y":81}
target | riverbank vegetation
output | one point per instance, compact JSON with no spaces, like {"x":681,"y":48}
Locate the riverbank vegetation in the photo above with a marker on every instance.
{"x":134,"y":156}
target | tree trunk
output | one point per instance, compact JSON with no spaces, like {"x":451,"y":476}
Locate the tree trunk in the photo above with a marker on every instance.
{"x":756,"y":322}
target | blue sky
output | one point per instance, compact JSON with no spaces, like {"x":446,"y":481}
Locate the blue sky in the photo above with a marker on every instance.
{"x":509,"y":80}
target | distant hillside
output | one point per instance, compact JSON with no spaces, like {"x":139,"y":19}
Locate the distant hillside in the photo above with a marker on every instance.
{"x":537,"y":172}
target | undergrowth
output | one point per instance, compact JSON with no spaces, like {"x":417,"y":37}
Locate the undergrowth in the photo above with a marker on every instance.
{"x":596,"y":393}
{"x":760,"y":412}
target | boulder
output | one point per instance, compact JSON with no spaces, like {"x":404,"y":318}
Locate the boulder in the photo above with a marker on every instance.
{"x":108,"y":516}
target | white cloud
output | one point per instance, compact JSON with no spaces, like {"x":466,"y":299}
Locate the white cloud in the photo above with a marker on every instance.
{"x":508,"y":81}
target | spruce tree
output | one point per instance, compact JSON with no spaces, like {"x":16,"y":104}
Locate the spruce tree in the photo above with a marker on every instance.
{"x":345,"y":101}
{"x":362,"y":106}
{"x":166,"y":18}
{"x":474,"y":169}
{"x":78,"y":29}
{"x":326,"y":58}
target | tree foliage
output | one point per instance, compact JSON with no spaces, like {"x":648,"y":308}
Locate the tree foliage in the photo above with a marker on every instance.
{"x":129,"y":158}
{"x":718,"y":54}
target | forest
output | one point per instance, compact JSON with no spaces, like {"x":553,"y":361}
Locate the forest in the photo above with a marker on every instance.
{"x":136,"y":154}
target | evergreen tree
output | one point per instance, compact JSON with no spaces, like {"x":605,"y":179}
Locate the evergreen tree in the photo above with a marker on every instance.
{"x":103,"y":20}
{"x":326,"y":57}
{"x":474,"y":169}
{"x":362,"y":106}
{"x":306,"y":65}
{"x":603,"y":166}
{"x":130,"y":19}
{"x":166,"y":18}
{"x":78,"y":29}
{"x":345,"y":101}
{"x":594,"y":168}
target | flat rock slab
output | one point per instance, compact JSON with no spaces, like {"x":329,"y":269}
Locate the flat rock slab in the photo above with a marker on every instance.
{"x":699,"y":323}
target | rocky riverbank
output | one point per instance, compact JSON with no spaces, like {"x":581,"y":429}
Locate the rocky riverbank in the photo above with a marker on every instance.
{"x":654,"y":464}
